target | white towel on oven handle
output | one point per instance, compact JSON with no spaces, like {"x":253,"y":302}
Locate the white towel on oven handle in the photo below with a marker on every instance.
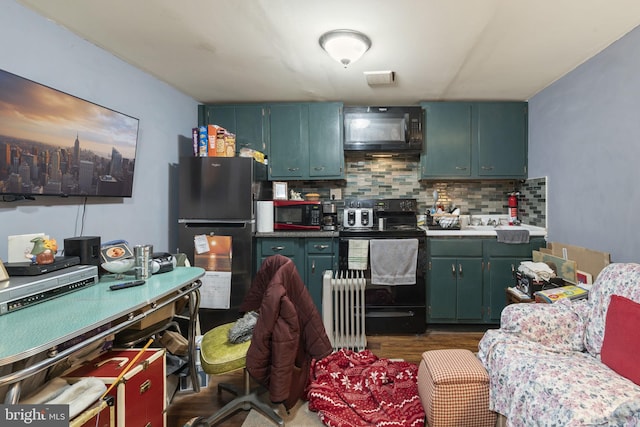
{"x":393,"y":261}
{"x":358,"y":254}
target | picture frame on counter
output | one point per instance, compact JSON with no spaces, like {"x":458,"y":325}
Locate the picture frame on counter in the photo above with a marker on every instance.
{"x":280,"y":190}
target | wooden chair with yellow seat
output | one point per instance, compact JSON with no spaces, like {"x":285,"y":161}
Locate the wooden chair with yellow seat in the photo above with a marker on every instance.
{"x":220,"y":356}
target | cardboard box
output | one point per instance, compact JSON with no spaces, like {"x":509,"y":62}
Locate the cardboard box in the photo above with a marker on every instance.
{"x":229,"y":145}
{"x":586,"y":260}
{"x":203,"y":141}
{"x":140,"y":397}
{"x":564,"y":268}
{"x":216,"y":140}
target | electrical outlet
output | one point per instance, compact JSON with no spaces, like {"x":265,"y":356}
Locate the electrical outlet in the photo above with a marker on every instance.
{"x":335,"y":193}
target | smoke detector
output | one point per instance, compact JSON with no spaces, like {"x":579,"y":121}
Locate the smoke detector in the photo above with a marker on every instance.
{"x":380,"y":78}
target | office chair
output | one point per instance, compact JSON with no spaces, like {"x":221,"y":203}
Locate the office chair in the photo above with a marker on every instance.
{"x":220,"y":356}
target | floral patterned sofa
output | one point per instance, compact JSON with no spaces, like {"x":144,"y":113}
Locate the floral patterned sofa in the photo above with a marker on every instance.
{"x":547,"y":363}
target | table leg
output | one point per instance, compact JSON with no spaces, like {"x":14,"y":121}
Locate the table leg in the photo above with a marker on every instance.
{"x":194,"y":305}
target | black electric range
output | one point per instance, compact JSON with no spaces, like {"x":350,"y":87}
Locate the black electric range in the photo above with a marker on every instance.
{"x":397,"y":309}
{"x":391,"y":218}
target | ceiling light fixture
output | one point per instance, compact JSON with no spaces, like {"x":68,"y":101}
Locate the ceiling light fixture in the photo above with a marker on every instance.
{"x":345,"y":46}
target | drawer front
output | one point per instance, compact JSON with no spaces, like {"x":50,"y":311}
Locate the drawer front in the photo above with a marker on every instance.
{"x":523,"y":250}
{"x":286,"y":247}
{"x":455,"y":247}
{"x":319,"y":246}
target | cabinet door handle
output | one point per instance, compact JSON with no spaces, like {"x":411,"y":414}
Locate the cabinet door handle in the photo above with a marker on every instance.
{"x":461,"y":168}
{"x":487,"y":168}
{"x":321,"y":247}
{"x":277,"y":248}
{"x":453,"y":269}
{"x":460,"y":269}
{"x":293,"y":169}
{"x":313,"y":266}
{"x":319,"y":168}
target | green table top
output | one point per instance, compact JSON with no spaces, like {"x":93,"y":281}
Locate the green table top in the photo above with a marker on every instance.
{"x":40,"y":327}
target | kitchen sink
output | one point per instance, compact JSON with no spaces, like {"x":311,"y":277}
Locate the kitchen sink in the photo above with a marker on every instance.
{"x":439,"y":227}
{"x":480,"y":227}
{"x":494,"y":227}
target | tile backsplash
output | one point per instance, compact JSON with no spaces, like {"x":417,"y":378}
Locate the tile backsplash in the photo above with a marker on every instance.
{"x":399,"y":178}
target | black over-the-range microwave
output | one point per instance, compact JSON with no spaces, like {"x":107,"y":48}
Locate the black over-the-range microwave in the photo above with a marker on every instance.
{"x":383,"y":129}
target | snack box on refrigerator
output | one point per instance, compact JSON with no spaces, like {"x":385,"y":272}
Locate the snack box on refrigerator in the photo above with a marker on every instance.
{"x":140,"y":395}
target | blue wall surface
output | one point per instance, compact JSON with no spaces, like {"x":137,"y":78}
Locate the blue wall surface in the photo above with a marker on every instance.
{"x":584,"y":135}
{"x":37,"y":49}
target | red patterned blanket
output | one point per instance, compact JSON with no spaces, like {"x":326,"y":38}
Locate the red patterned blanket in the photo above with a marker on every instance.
{"x":354,"y":389}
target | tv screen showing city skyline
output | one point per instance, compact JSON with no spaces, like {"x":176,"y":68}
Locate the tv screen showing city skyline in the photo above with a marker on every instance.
{"x":56,"y":144}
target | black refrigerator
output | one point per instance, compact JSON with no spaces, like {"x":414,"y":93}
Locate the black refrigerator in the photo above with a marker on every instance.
{"x":217,"y":196}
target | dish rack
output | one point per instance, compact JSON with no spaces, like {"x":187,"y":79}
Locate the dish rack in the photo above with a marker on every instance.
{"x":447,"y":220}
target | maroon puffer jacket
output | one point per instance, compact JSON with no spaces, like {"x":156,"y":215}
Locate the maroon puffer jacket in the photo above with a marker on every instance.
{"x":289,"y":332}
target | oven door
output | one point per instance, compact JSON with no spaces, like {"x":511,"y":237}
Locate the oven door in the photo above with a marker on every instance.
{"x":398,"y":309}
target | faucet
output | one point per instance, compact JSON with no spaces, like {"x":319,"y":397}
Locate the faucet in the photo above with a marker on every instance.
{"x":492,"y":221}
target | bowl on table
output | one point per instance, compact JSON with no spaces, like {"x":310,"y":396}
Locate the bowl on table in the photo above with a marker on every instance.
{"x":119,"y":266}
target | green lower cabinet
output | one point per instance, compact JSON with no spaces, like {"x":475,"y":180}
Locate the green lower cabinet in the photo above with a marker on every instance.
{"x":455,"y":292}
{"x":502,"y":261}
{"x":498,"y":276}
{"x":443,"y":290}
{"x":312,"y":257}
{"x":468,"y":277}
{"x":454,"y":281}
{"x":320,"y":256}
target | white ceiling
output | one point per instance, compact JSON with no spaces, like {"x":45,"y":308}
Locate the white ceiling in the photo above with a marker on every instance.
{"x":267,"y":50}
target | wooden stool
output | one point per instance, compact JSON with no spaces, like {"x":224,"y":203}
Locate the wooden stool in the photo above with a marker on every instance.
{"x":454,"y":389}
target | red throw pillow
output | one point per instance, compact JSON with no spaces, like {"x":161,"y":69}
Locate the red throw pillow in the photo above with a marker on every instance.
{"x":621,"y":344}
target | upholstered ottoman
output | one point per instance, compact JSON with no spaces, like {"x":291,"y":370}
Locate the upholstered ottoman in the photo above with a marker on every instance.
{"x":454,"y":389}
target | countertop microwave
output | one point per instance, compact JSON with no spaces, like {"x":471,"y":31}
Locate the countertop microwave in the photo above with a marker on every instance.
{"x":296,"y":215}
{"x":383,"y":129}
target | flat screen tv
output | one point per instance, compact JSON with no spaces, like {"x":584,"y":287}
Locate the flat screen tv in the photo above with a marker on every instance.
{"x":55,"y":144}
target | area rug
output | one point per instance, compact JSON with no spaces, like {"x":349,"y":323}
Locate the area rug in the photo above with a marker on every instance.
{"x":299,"y":416}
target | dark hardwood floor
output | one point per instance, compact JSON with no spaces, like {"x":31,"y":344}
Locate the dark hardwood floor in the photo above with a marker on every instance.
{"x":407,"y":347}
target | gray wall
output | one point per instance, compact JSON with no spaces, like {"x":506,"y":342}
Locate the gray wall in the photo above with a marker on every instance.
{"x":38,"y":49}
{"x":584,"y":135}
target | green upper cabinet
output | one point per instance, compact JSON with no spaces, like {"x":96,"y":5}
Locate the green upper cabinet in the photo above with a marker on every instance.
{"x":472,"y":140}
{"x":326,"y":154}
{"x":306,"y":141}
{"x":289,"y":140}
{"x":447,"y":149}
{"x":247,"y":121}
{"x":502,"y":139}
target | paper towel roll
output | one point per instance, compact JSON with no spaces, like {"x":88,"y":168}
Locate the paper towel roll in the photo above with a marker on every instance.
{"x":265,"y":217}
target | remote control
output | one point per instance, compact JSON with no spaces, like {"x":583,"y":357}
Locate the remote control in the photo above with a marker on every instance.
{"x":127,"y":285}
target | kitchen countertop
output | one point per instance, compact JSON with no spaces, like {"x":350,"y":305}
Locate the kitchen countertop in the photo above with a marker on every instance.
{"x":484,"y":231}
{"x":298,"y":233}
{"x":470,"y":231}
